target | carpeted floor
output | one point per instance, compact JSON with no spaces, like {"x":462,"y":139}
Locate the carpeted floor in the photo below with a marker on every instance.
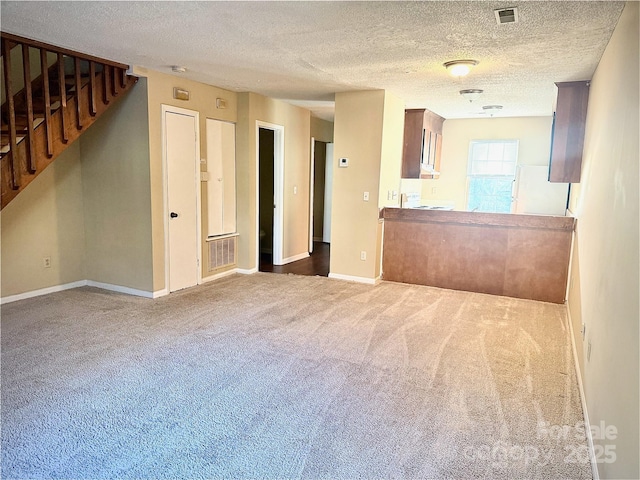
{"x":282,"y":376}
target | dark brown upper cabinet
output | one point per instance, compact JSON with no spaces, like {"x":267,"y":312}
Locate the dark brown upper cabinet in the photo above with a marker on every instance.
{"x":567,"y":137}
{"x":422,"y":144}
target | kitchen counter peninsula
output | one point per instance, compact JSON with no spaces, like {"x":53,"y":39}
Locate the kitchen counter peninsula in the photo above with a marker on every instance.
{"x":522,"y":256}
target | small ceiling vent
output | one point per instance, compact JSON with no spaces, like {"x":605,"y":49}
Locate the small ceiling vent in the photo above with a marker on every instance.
{"x":506,"y":15}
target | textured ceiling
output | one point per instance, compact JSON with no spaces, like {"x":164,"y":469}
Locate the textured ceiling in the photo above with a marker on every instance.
{"x":304,"y":52}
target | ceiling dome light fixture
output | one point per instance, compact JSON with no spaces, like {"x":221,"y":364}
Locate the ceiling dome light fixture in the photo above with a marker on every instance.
{"x":492,"y":109}
{"x":178,"y":69}
{"x":471,"y":94}
{"x":460,"y":68}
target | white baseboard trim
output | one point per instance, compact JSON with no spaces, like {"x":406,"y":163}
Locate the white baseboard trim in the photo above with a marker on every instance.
{"x":247,"y":271}
{"x":121,"y":289}
{"x":216,"y":276}
{"x":42,"y":291}
{"x":592,"y":453}
{"x":295,"y":258}
{"x":351,"y":278}
{"x":160,"y":293}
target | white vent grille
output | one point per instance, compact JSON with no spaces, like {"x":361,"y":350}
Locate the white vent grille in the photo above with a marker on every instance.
{"x":506,"y":15}
{"x":222,"y":253}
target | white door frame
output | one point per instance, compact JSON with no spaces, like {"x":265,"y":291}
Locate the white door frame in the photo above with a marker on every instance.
{"x":278,"y":191}
{"x":165,"y":190}
{"x":312,"y":179}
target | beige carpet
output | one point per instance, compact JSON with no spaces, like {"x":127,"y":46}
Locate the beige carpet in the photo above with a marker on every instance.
{"x":282,"y":376}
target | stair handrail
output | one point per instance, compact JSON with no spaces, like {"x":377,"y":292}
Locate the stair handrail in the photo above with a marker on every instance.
{"x":65,"y":51}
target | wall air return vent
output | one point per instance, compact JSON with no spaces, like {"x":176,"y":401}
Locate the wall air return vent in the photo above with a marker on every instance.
{"x":222,"y":253}
{"x":506,"y":15}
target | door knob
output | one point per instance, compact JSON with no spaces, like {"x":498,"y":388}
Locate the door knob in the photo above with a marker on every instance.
{"x":173,"y":215}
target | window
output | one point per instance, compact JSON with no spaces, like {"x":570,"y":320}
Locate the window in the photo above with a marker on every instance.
{"x":492,"y":171}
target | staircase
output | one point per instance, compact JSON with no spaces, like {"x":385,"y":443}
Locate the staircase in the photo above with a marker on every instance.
{"x":51,"y":95}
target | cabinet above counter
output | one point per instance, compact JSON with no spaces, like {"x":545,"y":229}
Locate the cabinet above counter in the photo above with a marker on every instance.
{"x":422,"y":144}
{"x":567,"y":138}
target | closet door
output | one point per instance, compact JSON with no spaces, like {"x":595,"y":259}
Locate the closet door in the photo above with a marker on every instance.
{"x":221,"y":173}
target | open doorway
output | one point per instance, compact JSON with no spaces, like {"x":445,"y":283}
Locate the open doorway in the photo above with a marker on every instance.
{"x":266,"y":197}
{"x":319,"y":167}
{"x":270,"y":193}
{"x":322,"y":189}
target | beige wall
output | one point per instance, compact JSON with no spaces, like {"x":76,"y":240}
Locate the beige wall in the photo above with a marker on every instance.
{"x":534,"y":134}
{"x":604,"y":278}
{"x":390,"y":164}
{"x":391,"y":151}
{"x":297,"y":158}
{"x":117,"y":192}
{"x":246,"y":177}
{"x":203,"y":100}
{"x":360,"y":124}
{"x":321,"y":130}
{"x":46,"y":219}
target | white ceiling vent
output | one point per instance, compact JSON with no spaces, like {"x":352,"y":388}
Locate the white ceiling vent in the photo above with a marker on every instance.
{"x":506,"y":15}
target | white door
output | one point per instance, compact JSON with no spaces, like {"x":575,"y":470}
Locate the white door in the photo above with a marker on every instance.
{"x":182,"y":182}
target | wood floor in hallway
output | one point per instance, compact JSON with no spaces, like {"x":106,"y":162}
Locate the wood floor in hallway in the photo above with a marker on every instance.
{"x":316,"y":264}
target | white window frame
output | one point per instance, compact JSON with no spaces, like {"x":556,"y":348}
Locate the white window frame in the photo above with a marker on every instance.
{"x":490,"y":174}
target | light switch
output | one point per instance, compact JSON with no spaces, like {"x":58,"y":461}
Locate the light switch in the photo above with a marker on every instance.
{"x":295,"y":189}
{"x":365,"y":197}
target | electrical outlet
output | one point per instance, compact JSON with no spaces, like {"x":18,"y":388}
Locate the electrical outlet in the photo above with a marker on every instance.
{"x":363,"y":255}
{"x":46,"y":262}
{"x":295,"y":189}
{"x":365,"y":196}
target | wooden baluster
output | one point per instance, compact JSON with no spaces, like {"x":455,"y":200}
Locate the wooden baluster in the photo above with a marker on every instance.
{"x":92,"y":89}
{"x":123,"y":79}
{"x":63,"y":97}
{"x":31,"y":147}
{"x":47,"y":101}
{"x":114,"y":83}
{"x":78,"y":83}
{"x":105,"y":84}
{"x":13,"y":141}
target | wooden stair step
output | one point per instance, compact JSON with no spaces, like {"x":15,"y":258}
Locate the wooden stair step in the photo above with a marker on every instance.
{"x":38,"y":105}
{"x":21,"y":123}
{"x":4,"y":142}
